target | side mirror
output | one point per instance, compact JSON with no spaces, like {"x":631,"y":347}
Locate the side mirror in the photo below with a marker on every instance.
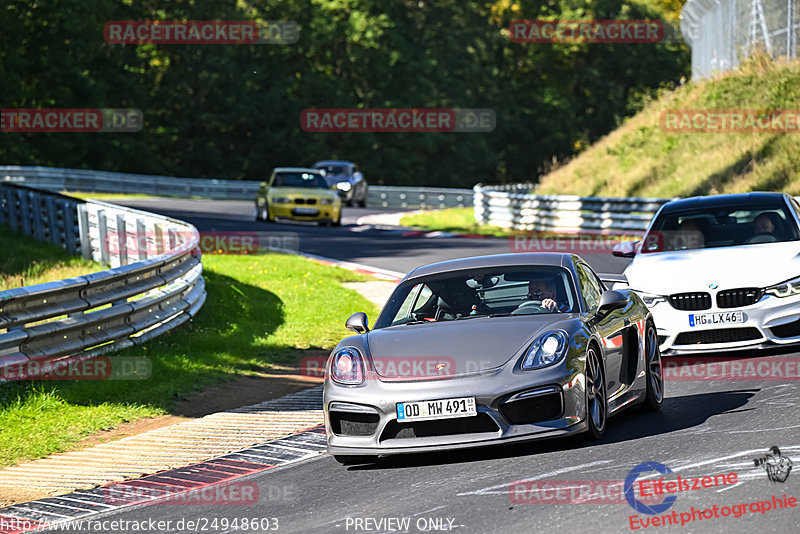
{"x":626,"y":249}
{"x":611,"y":300}
{"x":357,"y":323}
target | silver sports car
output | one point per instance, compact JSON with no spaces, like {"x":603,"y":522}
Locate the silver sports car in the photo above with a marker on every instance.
{"x":490,"y":350}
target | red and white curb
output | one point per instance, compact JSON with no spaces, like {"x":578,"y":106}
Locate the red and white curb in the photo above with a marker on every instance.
{"x":175,"y":483}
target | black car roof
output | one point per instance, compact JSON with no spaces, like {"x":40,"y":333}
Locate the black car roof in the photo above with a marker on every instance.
{"x":552,"y":259}
{"x":722,"y":201}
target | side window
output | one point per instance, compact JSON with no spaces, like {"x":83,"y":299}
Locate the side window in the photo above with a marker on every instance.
{"x":589,"y":286}
{"x":417,"y":298}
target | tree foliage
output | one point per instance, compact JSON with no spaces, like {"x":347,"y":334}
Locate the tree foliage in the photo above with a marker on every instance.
{"x":233,"y":111}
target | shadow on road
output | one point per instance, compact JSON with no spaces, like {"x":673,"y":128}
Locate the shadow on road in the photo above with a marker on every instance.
{"x":677,"y":414}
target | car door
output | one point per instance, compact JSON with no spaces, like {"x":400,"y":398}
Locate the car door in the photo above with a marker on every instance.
{"x":610,"y":327}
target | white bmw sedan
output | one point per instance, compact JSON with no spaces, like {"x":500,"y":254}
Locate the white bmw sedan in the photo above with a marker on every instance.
{"x":720,"y":272}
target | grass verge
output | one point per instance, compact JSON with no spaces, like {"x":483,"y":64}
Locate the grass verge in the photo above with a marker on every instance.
{"x":642,"y":160}
{"x":261,"y":311}
{"x":26,"y":261}
{"x":456,"y":220}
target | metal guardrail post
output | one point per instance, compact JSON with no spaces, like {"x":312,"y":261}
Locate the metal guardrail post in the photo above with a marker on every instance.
{"x":52,"y":220}
{"x":83,"y":232}
{"x":70,"y":224}
{"x":102,"y":230}
{"x":141,"y":239}
{"x":122,"y":240}
{"x":25,"y":211}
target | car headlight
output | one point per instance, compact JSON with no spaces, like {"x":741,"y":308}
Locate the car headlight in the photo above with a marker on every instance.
{"x":326,"y":201}
{"x":343,"y":186}
{"x":347,"y":366}
{"x":548,"y":349}
{"x":281,"y":200}
{"x":651,"y":300}
{"x":785,"y":289}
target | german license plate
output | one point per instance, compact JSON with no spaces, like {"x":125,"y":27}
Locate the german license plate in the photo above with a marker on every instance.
{"x":306,"y":211}
{"x":703,"y":319}
{"x":436,"y":409}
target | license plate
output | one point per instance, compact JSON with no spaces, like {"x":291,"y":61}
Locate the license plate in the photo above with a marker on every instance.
{"x":436,"y":409}
{"x":306,"y":211}
{"x":702,"y":319}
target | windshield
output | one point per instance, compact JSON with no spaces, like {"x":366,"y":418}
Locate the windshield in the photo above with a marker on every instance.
{"x":484,"y":293}
{"x":332,"y":169}
{"x":721,"y":227}
{"x":299,"y":179}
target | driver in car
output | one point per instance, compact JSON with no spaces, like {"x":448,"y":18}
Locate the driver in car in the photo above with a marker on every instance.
{"x":544,"y":290}
{"x":763,"y":225}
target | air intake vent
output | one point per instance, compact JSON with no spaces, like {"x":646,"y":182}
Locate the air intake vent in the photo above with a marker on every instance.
{"x":735,"y":298}
{"x":690,"y":301}
{"x":721,"y":335}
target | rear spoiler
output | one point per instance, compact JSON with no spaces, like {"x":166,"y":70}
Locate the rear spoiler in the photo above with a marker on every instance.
{"x":610,"y":280}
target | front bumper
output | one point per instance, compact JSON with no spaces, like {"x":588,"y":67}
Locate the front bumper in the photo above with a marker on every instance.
{"x":324,"y":212}
{"x":500,"y":419}
{"x":769,"y":322}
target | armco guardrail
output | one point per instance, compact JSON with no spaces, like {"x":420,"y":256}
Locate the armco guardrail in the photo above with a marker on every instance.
{"x":513,"y":207}
{"x":155,"y":284}
{"x":54,"y":179}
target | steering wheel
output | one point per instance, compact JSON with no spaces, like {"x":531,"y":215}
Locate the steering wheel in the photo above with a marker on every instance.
{"x":529,"y":308}
{"x":763,"y":237}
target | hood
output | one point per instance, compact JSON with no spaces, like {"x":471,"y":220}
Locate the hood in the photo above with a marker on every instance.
{"x":457,"y":347}
{"x":762,"y":265}
{"x":317,"y":192}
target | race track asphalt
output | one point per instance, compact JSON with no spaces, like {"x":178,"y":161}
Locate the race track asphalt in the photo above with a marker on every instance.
{"x":705,"y":428}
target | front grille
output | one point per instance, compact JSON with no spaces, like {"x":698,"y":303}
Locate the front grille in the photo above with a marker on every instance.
{"x":443,"y":427}
{"x":299,"y":201}
{"x":721,"y":335}
{"x":311,"y":201}
{"x":787,"y":330}
{"x":533,"y":410}
{"x":353,"y":424}
{"x":690,"y":301}
{"x":735,"y":298}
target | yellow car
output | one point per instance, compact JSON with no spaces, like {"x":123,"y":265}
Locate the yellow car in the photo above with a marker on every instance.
{"x":299,"y":194}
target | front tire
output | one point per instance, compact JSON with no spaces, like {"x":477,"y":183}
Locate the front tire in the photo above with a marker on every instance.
{"x":596,"y":403}
{"x":355,"y":460}
{"x":654,"y":395}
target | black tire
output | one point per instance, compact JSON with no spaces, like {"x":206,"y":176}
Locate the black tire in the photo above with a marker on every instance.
{"x":338,"y":221}
{"x":654,"y":372}
{"x":349,"y":203}
{"x":363,"y":202}
{"x":355,"y":460}
{"x":596,"y":401}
